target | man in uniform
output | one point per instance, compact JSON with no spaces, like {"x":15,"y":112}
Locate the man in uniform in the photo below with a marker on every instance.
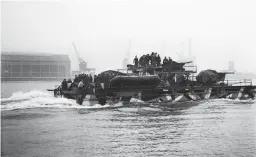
{"x":141,"y":61}
{"x":165,"y":61}
{"x":80,"y":93}
{"x":69,"y":83}
{"x":76,"y":79}
{"x":147,"y":59}
{"x":153,"y":59}
{"x":64,"y":85}
{"x":136,"y":61}
{"x":158,"y":60}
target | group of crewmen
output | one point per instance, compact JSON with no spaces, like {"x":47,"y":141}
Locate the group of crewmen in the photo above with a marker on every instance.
{"x":66,"y":85}
{"x":81,"y":78}
{"x":99,"y":78}
{"x":152,"y":59}
{"x":87,"y":78}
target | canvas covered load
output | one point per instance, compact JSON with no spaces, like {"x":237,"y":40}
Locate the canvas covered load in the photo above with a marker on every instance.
{"x":106,"y":76}
{"x":112,"y":73}
{"x":150,"y":81}
{"x":109,"y":74}
{"x":207,"y":77}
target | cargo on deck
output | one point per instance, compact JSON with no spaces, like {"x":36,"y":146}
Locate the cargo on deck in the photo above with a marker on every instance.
{"x":171,"y":81}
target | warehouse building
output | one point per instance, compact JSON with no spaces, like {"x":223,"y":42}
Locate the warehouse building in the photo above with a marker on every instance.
{"x":34,"y":66}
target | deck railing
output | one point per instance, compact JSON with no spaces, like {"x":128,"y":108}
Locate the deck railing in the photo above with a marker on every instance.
{"x":188,"y":69}
{"x":243,"y":82}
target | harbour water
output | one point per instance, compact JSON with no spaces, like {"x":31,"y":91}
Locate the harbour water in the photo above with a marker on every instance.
{"x":34,"y":123}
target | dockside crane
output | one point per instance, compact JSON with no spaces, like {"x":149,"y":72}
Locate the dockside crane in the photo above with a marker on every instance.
{"x":82,"y":63}
{"x":77,"y":53}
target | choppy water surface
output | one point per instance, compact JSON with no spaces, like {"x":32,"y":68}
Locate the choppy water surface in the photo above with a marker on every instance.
{"x":36,"y":124}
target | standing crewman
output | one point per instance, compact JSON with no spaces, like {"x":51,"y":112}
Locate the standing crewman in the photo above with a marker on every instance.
{"x":141,"y":61}
{"x":170,"y":60}
{"x":90,"y":78}
{"x":69,"y":82}
{"x":136,"y":61}
{"x":64,"y":85}
{"x":95,"y":78}
{"x":147,"y":59}
{"x":76,"y":79}
{"x":80,"y":93}
{"x":165,"y":61}
{"x":158,"y":60}
{"x":153,"y":59}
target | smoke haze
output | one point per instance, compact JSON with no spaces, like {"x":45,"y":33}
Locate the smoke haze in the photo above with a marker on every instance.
{"x":220,"y":30}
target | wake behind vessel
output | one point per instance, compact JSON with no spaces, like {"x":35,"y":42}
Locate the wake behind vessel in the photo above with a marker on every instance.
{"x":167,"y":82}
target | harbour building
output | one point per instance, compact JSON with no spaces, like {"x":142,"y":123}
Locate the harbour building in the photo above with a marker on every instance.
{"x":34,"y":66}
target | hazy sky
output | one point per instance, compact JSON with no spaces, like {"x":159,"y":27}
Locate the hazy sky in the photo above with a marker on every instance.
{"x":221,"y":30}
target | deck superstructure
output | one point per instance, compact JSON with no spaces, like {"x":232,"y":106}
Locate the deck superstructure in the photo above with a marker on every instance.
{"x":172,"y":82}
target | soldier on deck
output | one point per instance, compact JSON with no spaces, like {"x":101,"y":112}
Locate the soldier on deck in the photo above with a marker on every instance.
{"x":69,"y":82}
{"x":165,"y":61}
{"x":158,"y":60}
{"x":136,"y":61}
{"x":170,"y":60}
{"x":141,"y":60}
{"x":80,"y":93}
{"x":153,"y":59}
{"x":147,"y":59}
{"x":95,"y":78}
{"x":76,"y":79}
{"x":144,"y":60}
{"x":64,"y":85}
{"x":90,"y":78}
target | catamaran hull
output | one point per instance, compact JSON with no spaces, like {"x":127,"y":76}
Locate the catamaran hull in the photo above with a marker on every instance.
{"x":176,"y":95}
{"x":193,"y":93}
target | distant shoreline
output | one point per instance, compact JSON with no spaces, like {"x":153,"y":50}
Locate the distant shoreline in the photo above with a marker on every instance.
{"x":14,"y":79}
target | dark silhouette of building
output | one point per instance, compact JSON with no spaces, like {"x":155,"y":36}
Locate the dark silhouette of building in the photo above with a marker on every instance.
{"x":34,"y":66}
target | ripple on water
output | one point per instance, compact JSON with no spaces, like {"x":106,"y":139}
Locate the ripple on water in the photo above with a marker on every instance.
{"x":212,"y":128}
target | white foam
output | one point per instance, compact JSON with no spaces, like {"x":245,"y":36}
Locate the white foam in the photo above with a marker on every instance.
{"x":134,"y":100}
{"x":228,"y":101}
{"x":235,"y":100}
{"x":23,"y":96}
{"x":36,"y":99}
